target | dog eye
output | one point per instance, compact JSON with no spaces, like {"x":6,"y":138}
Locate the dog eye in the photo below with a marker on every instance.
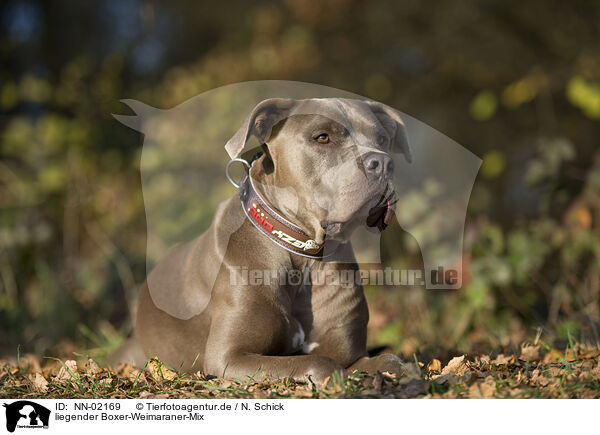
{"x":323,"y":138}
{"x":381,"y":140}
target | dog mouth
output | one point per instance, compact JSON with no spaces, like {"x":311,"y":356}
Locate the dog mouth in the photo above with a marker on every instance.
{"x":381,"y":214}
{"x":378,"y":216}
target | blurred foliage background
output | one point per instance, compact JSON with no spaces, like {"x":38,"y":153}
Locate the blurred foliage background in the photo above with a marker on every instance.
{"x":517,"y":83}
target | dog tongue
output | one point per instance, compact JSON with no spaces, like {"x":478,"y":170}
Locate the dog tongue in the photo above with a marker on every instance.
{"x":389,"y":212}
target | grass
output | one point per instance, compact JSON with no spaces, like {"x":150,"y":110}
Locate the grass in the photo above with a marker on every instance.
{"x":536,"y":371}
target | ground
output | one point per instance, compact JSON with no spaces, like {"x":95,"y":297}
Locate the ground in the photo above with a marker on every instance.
{"x":536,"y":371}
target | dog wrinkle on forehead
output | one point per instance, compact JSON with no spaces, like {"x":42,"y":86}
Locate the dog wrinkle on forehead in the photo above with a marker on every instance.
{"x":352,"y":114}
{"x":360,"y":116}
{"x":327,"y":125}
{"x":326,"y":107}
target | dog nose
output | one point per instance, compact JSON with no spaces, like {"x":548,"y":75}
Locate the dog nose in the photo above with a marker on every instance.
{"x":379,"y":164}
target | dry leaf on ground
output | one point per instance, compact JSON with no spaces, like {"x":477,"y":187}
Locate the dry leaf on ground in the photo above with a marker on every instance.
{"x":434,"y":366}
{"x":530,"y":352}
{"x":91,"y":367}
{"x":160,"y":371}
{"x":40,"y":384}
{"x":456,"y":365}
{"x":68,"y":371}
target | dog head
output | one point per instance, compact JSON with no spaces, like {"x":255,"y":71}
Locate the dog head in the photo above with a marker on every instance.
{"x":334,"y":155}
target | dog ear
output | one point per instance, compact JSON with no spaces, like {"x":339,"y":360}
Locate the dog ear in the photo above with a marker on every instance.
{"x":391,"y":121}
{"x":259,"y":123}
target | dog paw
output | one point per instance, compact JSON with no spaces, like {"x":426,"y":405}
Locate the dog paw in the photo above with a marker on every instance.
{"x":322,"y":368}
{"x":386,"y":362}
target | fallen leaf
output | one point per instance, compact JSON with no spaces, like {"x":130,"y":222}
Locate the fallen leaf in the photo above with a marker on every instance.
{"x":484,"y":390}
{"x":159,"y":371}
{"x":91,"y":367}
{"x":456,"y":365}
{"x":589,"y":352}
{"x":552,"y":356}
{"x":135,"y":375}
{"x":488,"y":388}
{"x":484,"y":360}
{"x":571,"y":378}
{"x":530,"y":352}
{"x":542,"y":381}
{"x":434,"y":366}
{"x":502,"y":360}
{"x":68,"y":371}
{"x":40,"y":384}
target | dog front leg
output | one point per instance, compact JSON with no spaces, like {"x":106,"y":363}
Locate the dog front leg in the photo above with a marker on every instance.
{"x":301,"y":368}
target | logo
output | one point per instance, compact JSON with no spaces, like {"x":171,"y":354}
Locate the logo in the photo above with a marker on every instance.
{"x":289,"y":239}
{"x":260,"y":218}
{"x":25,"y":414}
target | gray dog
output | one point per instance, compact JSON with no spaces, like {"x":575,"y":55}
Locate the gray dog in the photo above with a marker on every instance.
{"x":326,"y":169}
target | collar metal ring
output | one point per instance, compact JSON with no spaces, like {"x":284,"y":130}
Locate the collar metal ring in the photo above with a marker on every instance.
{"x":244,"y":162}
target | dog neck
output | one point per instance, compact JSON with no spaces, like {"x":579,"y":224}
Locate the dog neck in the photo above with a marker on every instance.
{"x":271,"y":222}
